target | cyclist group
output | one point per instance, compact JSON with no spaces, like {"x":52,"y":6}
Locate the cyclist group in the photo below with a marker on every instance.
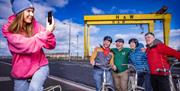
{"x":145,"y":60}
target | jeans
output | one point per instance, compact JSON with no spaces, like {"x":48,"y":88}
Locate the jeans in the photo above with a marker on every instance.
{"x":36,"y":83}
{"x":160,"y":83}
{"x":98,"y":77}
{"x":144,"y":77}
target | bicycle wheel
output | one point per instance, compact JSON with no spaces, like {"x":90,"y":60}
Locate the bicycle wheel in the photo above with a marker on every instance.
{"x":178,"y":85}
{"x":107,"y":88}
{"x":174,"y":83}
{"x":130,"y":84}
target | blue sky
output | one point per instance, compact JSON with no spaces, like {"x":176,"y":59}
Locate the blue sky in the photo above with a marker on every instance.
{"x":72,"y":12}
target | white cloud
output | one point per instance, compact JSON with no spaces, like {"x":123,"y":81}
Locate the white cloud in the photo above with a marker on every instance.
{"x":123,"y":36}
{"x":129,"y":35}
{"x":3,"y":44}
{"x":174,"y":37}
{"x":2,"y":21}
{"x":4,"y":48}
{"x":138,"y":27}
{"x":97,"y":11}
{"x":173,"y":41}
{"x":175,"y":32}
{"x":94,"y":29}
{"x":116,"y":10}
{"x":175,"y":44}
{"x":41,"y":7}
{"x":62,"y":35}
{"x":94,"y":42}
{"x":58,"y":3}
{"x":130,"y":11}
{"x":4,"y":52}
{"x":5,"y":9}
{"x":41,"y":12}
{"x":61,"y":32}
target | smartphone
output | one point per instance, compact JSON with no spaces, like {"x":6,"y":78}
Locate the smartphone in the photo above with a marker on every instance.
{"x":50,"y":17}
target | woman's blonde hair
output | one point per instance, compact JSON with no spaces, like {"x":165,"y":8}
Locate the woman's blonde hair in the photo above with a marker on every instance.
{"x":18,"y":24}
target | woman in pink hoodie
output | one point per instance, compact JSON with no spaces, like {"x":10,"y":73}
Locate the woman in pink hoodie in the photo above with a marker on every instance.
{"x":26,"y":39}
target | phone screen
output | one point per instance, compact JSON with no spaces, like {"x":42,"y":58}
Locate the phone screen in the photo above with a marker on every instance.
{"x":50,"y":17}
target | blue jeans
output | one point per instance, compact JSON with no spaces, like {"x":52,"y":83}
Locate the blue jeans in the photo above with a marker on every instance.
{"x":144,"y":77}
{"x":36,"y":83}
{"x":98,"y":77}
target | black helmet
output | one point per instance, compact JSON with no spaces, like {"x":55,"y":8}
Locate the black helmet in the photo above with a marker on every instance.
{"x":134,"y":40}
{"x":108,"y":38}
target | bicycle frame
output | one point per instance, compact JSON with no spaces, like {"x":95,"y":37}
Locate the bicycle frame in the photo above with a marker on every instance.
{"x":52,"y":88}
{"x":132,"y":82}
{"x":104,"y":78}
{"x":105,"y":85}
{"x":174,"y":86}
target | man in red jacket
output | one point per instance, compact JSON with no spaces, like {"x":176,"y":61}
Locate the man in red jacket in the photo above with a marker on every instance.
{"x":157,"y":55}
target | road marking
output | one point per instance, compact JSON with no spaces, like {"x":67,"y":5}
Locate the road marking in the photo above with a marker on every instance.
{"x":5,"y":79}
{"x":75,"y":84}
{"x":72,"y":83}
{"x":5,"y":63}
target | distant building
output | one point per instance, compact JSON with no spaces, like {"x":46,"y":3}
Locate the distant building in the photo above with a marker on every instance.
{"x":57,"y":55}
{"x":63,"y":56}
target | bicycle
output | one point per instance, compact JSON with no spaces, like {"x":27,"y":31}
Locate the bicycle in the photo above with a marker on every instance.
{"x":132,"y":78}
{"x":105,"y":85}
{"x":174,"y":76}
{"x":53,"y":88}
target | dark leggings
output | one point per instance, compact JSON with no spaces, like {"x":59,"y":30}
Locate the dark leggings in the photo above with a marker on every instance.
{"x":160,"y":83}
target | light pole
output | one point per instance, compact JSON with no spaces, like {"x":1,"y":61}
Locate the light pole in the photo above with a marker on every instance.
{"x":77,"y":46}
{"x":69,"y":50}
{"x":69,"y":41}
{"x":0,"y":44}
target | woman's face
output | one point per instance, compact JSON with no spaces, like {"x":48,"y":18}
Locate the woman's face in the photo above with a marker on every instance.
{"x":28,"y":15}
{"x":132,"y":45}
{"x":106,"y":43}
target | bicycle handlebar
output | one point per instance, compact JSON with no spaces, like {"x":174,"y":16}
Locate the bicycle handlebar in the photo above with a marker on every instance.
{"x":107,"y":67}
{"x":129,"y":65}
{"x":176,"y":63}
{"x":162,"y":70}
{"x":167,"y":70}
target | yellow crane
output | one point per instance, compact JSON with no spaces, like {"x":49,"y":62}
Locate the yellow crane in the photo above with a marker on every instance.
{"x":125,"y":19}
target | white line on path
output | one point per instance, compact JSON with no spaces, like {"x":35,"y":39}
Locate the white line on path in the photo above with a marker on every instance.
{"x":7,"y":78}
{"x":75,"y":84}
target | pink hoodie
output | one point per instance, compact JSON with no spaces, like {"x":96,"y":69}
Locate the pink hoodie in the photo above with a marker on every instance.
{"x":27,"y":52}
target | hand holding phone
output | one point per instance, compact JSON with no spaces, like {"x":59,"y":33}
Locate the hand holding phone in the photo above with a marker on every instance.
{"x":50,"y":24}
{"x":50,"y":17}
